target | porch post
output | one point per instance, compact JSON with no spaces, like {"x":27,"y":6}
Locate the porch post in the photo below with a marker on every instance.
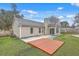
{"x":55,"y":30}
{"x":59,"y":31}
{"x":46,"y":28}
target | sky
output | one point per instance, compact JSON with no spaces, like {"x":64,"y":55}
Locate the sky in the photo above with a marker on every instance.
{"x":39,"y":11}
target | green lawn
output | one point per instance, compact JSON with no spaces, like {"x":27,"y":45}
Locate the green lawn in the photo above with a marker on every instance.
{"x":16,"y":47}
{"x":70,"y":47}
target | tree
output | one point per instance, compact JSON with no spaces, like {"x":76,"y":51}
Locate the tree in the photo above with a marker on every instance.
{"x":15,"y":11}
{"x":7,"y":17}
{"x":76,"y":21}
{"x":8,"y":20}
{"x":73,"y":25}
{"x":13,"y":5}
{"x":5,"y":20}
{"x":52,"y":20}
{"x":76,"y":18}
{"x":2,"y":23}
{"x":64,"y":24}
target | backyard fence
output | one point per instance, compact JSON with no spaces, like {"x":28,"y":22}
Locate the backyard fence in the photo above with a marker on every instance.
{"x":70,"y":30}
{"x":4,"y":33}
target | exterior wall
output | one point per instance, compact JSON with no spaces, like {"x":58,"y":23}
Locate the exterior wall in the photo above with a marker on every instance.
{"x":25,"y":31}
{"x":77,"y":29}
{"x":56,"y":30}
{"x":49,"y":23}
{"x":46,"y":28}
{"x":16,"y":29}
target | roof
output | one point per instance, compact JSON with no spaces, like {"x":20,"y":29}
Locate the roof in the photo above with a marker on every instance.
{"x":52,"y":21}
{"x":26,"y":22}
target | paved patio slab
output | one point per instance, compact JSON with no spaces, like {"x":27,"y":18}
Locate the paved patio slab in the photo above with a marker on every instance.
{"x":47,"y":45}
{"x":75,"y":35}
{"x":35,"y":38}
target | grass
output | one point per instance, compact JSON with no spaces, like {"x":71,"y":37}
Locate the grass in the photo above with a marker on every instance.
{"x":70,"y":47}
{"x":11,"y":46}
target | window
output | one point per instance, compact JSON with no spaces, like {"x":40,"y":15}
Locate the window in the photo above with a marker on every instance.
{"x":39,"y":30}
{"x":31,"y":30}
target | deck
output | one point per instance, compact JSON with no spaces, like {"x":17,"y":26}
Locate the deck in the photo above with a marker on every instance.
{"x":47,"y":45}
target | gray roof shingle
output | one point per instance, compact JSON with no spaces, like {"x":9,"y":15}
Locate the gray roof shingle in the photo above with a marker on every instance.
{"x":26,"y":22}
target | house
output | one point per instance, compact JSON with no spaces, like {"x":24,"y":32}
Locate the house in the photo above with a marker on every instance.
{"x":77,"y":27}
{"x":25,"y":28}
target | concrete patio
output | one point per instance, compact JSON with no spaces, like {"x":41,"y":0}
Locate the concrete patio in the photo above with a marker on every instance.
{"x":35,"y":38}
{"x":75,"y":35}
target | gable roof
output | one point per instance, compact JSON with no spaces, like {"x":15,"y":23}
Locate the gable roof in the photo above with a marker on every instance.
{"x":26,"y":22}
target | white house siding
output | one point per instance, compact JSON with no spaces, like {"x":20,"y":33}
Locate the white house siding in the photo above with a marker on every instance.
{"x":21,"y":27}
{"x":16,"y":29}
{"x":25,"y":31}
